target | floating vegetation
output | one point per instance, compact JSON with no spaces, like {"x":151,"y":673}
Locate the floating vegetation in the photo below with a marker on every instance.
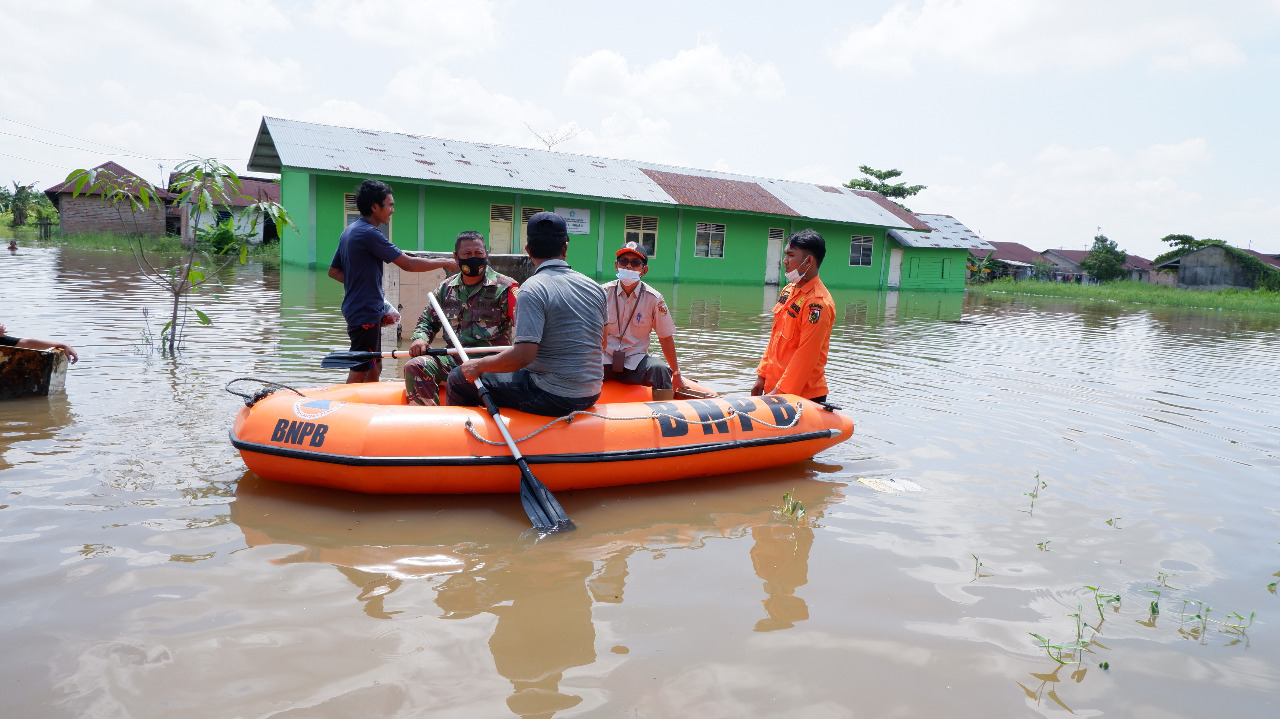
{"x":1034,"y":494}
{"x":792,"y":506}
{"x":978,"y":566}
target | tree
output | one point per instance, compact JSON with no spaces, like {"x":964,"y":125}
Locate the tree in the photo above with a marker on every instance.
{"x":21,"y":202}
{"x":878,"y":181}
{"x":199,"y":186}
{"x":1105,"y":261}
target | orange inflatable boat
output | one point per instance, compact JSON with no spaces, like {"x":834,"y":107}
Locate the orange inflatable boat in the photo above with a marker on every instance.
{"x":364,"y":438}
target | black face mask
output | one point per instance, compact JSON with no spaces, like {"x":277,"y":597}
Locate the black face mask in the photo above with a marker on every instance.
{"x":473,"y":266}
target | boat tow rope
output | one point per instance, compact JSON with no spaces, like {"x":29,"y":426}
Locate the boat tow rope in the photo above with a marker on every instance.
{"x":252,"y":399}
{"x":732,"y":412}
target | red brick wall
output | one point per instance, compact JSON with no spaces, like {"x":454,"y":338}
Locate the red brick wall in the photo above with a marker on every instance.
{"x":80,"y":215}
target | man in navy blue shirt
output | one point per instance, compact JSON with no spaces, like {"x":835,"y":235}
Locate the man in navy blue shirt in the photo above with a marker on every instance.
{"x":362,"y":250}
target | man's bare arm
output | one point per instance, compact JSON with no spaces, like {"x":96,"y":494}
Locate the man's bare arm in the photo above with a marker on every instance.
{"x":409,"y":263}
{"x":337,"y":274}
{"x":516,"y":358}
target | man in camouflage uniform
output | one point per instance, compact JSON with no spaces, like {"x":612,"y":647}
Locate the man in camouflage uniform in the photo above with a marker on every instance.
{"x":481,"y":307}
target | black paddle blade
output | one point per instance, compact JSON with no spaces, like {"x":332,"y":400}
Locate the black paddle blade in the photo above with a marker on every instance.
{"x":545,"y":512}
{"x":347,"y":359}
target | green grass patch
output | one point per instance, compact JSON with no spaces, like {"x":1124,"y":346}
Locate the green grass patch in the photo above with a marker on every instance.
{"x":113,"y":242}
{"x":1138,"y":293}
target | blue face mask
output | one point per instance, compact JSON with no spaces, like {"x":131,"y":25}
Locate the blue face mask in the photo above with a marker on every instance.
{"x":629,"y":276}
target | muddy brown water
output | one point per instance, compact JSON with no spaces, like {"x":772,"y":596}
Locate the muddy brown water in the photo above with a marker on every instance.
{"x":146,"y":573}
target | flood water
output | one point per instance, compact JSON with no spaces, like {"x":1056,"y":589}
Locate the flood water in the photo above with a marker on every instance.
{"x":146,"y":573}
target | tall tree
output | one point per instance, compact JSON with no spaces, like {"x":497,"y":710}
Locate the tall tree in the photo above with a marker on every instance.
{"x":1105,"y":261}
{"x":878,"y":181}
{"x":21,"y":203}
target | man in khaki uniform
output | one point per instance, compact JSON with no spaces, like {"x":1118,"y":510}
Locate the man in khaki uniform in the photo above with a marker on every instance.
{"x":635,"y":311}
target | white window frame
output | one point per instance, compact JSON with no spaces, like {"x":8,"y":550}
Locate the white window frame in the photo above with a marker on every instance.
{"x":865,"y":246}
{"x":642,"y":230}
{"x":705,"y":240}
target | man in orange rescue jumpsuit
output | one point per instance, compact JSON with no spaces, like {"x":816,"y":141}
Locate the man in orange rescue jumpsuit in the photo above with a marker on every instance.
{"x":796,"y":358}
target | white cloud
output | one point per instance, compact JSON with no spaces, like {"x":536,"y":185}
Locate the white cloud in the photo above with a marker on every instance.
{"x":1019,"y":37}
{"x":349,"y":113}
{"x":1058,"y":197}
{"x":434,"y":101}
{"x":631,"y":134}
{"x":689,"y":80}
{"x":432,"y":29}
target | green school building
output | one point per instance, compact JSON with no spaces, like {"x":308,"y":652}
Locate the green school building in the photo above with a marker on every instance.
{"x":697,"y":225}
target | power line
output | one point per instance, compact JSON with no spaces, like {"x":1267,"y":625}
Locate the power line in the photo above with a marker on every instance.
{"x":5,"y":154}
{"x":73,"y":137}
{"x":84,"y":149}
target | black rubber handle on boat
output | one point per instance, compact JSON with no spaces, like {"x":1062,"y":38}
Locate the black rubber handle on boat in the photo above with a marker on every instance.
{"x":544,"y":511}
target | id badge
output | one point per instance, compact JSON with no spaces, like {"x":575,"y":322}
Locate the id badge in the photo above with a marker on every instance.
{"x":619,"y":361}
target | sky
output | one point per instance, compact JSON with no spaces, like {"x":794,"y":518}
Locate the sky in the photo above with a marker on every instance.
{"x":1032,"y":121}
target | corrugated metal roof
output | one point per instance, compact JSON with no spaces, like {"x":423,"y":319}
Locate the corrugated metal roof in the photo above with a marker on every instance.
{"x":725,"y":194}
{"x":947,"y":231}
{"x":289,"y":143}
{"x":124,"y":175}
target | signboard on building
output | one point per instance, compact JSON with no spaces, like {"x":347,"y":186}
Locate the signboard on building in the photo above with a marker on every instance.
{"x":578,"y":222}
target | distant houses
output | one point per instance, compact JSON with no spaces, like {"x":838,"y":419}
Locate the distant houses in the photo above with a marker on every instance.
{"x":1066,"y":266}
{"x":1221,"y":266}
{"x":1012,"y":259}
{"x":86,"y":213}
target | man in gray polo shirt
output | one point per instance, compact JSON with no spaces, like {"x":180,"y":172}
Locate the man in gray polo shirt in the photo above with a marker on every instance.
{"x":554,"y":367}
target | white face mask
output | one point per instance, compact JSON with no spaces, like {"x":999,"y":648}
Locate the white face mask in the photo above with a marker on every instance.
{"x":795,"y":275}
{"x":629,"y":276}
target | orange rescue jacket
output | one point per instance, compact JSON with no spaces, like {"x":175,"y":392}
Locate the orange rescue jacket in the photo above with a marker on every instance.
{"x":796,"y":358}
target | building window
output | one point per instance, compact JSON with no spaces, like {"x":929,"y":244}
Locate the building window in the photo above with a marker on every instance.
{"x":777,"y":233}
{"x":525,"y":214}
{"x":860,"y":248}
{"x":351,"y":213}
{"x":708,"y":240}
{"x":643,"y":231}
{"x":223,"y":216}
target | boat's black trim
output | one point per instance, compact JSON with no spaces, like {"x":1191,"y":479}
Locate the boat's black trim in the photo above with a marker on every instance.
{"x":626,"y":455}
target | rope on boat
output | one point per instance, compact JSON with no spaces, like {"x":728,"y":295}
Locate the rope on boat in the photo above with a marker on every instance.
{"x":252,"y":399}
{"x":732,"y":412}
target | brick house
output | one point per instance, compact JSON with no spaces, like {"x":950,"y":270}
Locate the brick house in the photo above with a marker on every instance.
{"x":87,"y":213}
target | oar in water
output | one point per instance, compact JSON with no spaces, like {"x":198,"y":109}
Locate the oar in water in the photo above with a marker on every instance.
{"x":544,"y":511}
{"x":352,"y":358}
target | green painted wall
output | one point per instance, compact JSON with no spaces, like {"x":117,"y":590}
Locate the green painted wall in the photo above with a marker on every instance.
{"x":294,"y":195}
{"x":448,"y":210}
{"x":933,"y":268}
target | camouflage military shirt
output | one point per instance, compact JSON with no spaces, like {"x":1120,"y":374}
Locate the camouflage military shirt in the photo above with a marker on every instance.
{"x":482,"y":315}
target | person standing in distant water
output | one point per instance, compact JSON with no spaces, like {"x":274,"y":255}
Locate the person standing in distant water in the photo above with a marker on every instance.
{"x":362,"y":250}
{"x":13,"y":245}
{"x":30,"y":344}
{"x":795,"y":360}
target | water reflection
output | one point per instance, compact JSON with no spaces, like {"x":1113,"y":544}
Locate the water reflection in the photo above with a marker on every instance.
{"x":542,"y":594}
{"x":128,"y":593}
